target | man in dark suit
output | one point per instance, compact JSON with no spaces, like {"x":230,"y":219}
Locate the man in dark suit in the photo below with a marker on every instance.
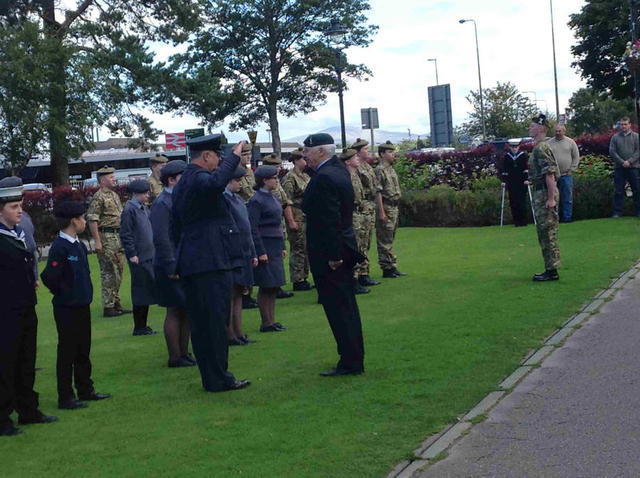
{"x":333,"y":250}
{"x":208,"y":248}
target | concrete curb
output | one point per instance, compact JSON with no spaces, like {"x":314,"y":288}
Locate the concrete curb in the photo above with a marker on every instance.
{"x":435,"y":445}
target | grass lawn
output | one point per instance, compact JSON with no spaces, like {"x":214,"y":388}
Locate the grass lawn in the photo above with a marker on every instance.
{"x":437,"y":341}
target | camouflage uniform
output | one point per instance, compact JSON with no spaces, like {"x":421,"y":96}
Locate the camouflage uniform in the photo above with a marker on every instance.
{"x":294,"y":184}
{"x":369,"y":184}
{"x":389,"y":187}
{"x":246,"y":185}
{"x":156,"y":188}
{"x":284,"y":202}
{"x":541,"y":163}
{"x":106,"y":209}
{"x":360,"y":219}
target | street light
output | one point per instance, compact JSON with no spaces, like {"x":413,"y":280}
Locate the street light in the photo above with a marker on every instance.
{"x":475,"y":28}
{"x":555,"y":69}
{"x":435,"y":61}
{"x":336,"y":35}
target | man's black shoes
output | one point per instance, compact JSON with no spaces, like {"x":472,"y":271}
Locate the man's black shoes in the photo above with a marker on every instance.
{"x":94,"y":396}
{"x":39,"y":418}
{"x":144,"y":331}
{"x":283,"y":294}
{"x":180,"y":362}
{"x":398,"y":273}
{"x":9,"y":431}
{"x":359,"y":289}
{"x":71,"y":404}
{"x":302,"y":286}
{"x":546,"y":276}
{"x":111,"y":312}
{"x":367,"y":281}
{"x":339,"y":371}
{"x":235,"y":385}
{"x":392,"y":273}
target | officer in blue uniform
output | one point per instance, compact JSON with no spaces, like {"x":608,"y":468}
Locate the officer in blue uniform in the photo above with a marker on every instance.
{"x":208,"y":249}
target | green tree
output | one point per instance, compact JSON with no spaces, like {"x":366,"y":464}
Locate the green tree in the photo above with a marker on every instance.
{"x":594,"y":112}
{"x":507,"y":112}
{"x":94,"y":66}
{"x":258,"y":59}
{"x":602,"y":31}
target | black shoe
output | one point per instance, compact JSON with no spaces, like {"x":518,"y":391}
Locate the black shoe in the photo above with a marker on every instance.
{"x":236,"y":342}
{"x":271,"y":328}
{"x":71,"y":404}
{"x":236,"y":385}
{"x":398,"y":273}
{"x":358,"y":289}
{"x":9,"y":431}
{"x":546,"y":276}
{"x":367,"y":281}
{"x":38,"y":418}
{"x":247,"y":340}
{"x":389,"y":274}
{"x":144,"y":331}
{"x":94,"y":396}
{"x":111,"y":312}
{"x":283,"y":294}
{"x":280,"y":326}
{"x":338,"y":371}
{"x":190,"y":358}
{"x":181,"y":362}
{"x":302,"y":286}
{"x":249,"y":303}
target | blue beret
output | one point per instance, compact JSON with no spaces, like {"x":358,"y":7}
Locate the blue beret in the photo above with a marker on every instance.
{"x":318,"y":139}
{"x":139,"y":186}
{"x":239,"y":172}
{"x":173,"y":168}
{"x":69,"y":209}
{"x":266,"y":171}
{"x":210,"y":142}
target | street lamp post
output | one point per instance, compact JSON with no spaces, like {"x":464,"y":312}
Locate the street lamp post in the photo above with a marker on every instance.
{"x":633,"y":17}
{"x":336,"y":34}
{"x":435,"y":61}
{"x":555,"y":69}
{"x":475,"y":28}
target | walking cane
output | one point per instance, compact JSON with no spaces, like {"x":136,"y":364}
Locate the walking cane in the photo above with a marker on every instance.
{"x":533,"y":212}
{"x":502,"y":207}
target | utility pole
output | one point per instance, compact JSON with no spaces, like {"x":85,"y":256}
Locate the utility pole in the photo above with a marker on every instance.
{"x":634,"y":27}
{"x":555,"y":69}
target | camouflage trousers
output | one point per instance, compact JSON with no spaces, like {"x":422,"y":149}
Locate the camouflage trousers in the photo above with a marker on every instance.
{"x":111,"y":261}
{"x":298,"y":258}
{"x":547,"y":228}
{"x":385,"y":234}
{"x":364,"y":231}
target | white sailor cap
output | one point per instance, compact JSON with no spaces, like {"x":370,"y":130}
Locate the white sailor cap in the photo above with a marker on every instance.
{"x":514,"y":142}
{"x":11,"y":189}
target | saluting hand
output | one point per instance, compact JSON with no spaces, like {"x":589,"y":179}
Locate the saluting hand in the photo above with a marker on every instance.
{"x":237,"y":149}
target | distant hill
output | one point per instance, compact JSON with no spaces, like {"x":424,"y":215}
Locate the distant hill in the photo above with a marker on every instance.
{"x":354,"y":132}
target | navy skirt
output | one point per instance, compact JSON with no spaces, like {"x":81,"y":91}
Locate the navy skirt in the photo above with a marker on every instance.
{"x":243,"y":276}
{"x":170,"y":292}
{"x":142,"y":288}
{"x":271,"y":274}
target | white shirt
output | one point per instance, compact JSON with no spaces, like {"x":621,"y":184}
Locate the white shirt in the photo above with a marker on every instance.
{"x":69,"y":238}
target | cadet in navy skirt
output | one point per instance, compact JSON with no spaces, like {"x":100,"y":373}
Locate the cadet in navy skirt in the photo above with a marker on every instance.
{"x":265,"y":216}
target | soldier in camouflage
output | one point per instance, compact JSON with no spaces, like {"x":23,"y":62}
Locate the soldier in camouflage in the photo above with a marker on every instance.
{"x":543,"y":174}
{"x":156,"y":164}
{"x":274,"y":160}
{"x":387,"y":220}
{"x":248,"y":180}
{"x":351,"y":160}
{"x":103,"y":216}
{"x":371,"y":200}
{"x":294,"y":185}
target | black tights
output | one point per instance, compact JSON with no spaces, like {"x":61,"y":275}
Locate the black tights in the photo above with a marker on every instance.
{"x":140,"y":313}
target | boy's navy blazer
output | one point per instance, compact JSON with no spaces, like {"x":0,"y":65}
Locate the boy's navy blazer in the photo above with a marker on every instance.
{"x":203,"y":229}
{"x":165,"y":254}
{"x":328,"y":206}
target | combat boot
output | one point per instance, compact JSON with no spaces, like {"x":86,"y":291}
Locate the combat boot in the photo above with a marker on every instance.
{"x":367,"y":281}
{"x":302,"y":286}
{"x":398,"y":273}
{"x":359,"y":289}
{"x":546,"y":276}
{"x":111,"y":312}
{"x":389,"y":274}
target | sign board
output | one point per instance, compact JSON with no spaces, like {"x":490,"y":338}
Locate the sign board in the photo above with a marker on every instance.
{"x":175,"y":141}
{"x":192,"y":133}
{"x":369,"y":118}
{"x":562,"y":119}
{"x":440,"y":115}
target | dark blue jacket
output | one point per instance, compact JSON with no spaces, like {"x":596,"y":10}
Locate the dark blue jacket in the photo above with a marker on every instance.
{"x":206,"y":235}
{"x":78,"y":289}
{"x":265,"y":215}
{"x":165,"y":255}
{"x":27,"y":226}
{"x":16,"y":272}
{"x":135,"y":232}
{"x":240,"y":214}
{"x":328,"y":205}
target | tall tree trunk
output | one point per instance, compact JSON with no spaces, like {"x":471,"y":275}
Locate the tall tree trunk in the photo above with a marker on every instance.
{"x":57,"y":100}
{"x":275,"y":131}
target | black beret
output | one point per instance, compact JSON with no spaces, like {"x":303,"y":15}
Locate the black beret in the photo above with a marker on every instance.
{"x":69,"y":209}
{"x":173,"y":168}
{"x":239,"y":172}
{"x":139,"y":186}
{"x":210,"y":142}
{"x":11,"y":189}
{"x":318,"y":139}
{"x":266,"y":171}
{"x":540,"y":119}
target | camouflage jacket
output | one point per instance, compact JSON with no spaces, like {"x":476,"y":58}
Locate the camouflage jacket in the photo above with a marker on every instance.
{"x":388,"y":183}
{"x":358,"y":192}
{"x":541,"y":163}
{"x":369,"y":181}
{"x":105,"y":208}
{"x":282,"y":196}
{"x":156,"y":188}
{"x":294,"y":184}
{"x":246,"y":185}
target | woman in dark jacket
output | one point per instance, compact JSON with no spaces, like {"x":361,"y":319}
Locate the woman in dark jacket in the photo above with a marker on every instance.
{"x":265,"y":215}
{"x":243,"y":276}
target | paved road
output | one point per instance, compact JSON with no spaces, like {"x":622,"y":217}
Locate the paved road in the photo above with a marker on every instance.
{"x":578,"y":415}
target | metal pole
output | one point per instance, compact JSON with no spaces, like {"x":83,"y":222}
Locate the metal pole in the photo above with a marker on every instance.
{"x":436,"y":63}
{"x":555,"y":69}
{"x":502,"y":206}
{"x":533,"y":211}
{"x":339,"y":74}
{"x":484,"y":130}
{"x":371,"y":124}
{"x":634,"y":37}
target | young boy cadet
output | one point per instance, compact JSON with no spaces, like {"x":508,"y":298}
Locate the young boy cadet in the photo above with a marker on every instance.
{"x":136,"y":236}
{"x":68,"y":278}
{"x":18,"y":320}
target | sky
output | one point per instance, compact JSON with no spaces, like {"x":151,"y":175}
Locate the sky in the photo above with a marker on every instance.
{"x":514,"y":38}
